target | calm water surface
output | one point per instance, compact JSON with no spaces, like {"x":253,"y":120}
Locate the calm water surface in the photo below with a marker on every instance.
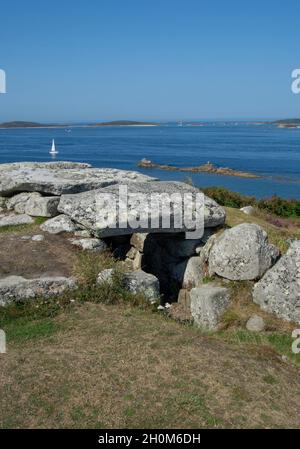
{"x":271,"y":152}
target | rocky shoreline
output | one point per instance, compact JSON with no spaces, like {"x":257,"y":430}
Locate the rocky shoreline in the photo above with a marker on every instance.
{"x":160,"y":263}
{"x":205,"y":168}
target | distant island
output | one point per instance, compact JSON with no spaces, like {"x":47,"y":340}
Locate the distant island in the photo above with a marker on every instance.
{"x":287,"y":123}
{"x":205,"y":168}
{"x":23,"y":124}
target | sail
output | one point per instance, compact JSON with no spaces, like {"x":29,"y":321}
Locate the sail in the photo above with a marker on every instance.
{"x":53,"y":150}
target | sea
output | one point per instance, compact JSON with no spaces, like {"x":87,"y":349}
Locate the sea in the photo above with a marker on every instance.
{"x":263,"y":149}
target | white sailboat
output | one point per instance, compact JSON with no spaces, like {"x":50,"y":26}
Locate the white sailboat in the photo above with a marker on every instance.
{"x":53,"y":150}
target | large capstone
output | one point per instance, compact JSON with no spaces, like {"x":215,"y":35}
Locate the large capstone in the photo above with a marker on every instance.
{"x":56,"y":178}
{"x":107,"y":212}
{"x":279,"y":290}
{"x":242,"y":253}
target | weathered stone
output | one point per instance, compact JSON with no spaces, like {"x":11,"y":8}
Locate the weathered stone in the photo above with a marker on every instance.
{"x":42,"y":206}
{"x":184,"y":299}
{"x":144,"y":283}
{"x":248,"y":210}
{"x":18,"y":202}
{"x":279,"y":290}
{"x":56,"y":178}
{"x":208,"y":303}
{"x":59,"y":224}
{"x":255,"y":324}
{"x":17,"y":288}
{"x":95,"y":209}
{"x":14,"y":220}
{"x":90,"y":244}
{"x":242,"y":253}
{"x":137,"y":241}
{"x":132,"y":253}
{"x":38,"y":238}
{"x":106,"y":276}
{"x":193,"y":273}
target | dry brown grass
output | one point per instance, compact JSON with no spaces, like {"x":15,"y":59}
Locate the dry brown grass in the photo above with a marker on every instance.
{"x":117,"y":366}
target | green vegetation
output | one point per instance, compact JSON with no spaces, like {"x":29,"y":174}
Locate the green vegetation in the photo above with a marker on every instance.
{"x":273,"y":205}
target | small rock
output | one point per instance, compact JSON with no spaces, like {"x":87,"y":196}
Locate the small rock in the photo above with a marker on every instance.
{"x":208,"y":303}
{"x":18,"y":202}
{"x":14,"y":220}
{"x":142,"y":282}
{"x":59,"y":224}
{"x":42,"y":206}
{"x":105,"y":276}
{"x":247,"y":210}
{"x":255,"y":324}
{"x":90,"y":244}
{"x":38,"y":238}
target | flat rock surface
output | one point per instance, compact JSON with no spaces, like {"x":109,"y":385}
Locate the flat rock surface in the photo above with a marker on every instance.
{"x":57,"y":178}
{"x":89,"y":208}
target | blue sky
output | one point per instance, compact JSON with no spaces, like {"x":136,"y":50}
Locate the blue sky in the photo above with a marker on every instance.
{"x":104,"y":60}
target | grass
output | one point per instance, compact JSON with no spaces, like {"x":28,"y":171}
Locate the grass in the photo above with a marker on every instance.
{"x":115,"y":365}
{"x":99,"y":356}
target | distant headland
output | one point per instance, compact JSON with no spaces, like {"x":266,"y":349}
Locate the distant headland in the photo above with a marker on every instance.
{"x":24,"y":124}
{"x":287,"y":123}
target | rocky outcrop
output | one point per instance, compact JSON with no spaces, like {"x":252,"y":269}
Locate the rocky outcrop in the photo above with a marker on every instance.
{"x":279,"y":290}
{"x":17,"y":288}
{"x":208,"y":303}
{"x":14,"y":220}
{"x":144,"y":283}
{"x":56,"y":178}
{"x":59,"y":224}
{"x":92,"y":211}
{"x":242,"y":253}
